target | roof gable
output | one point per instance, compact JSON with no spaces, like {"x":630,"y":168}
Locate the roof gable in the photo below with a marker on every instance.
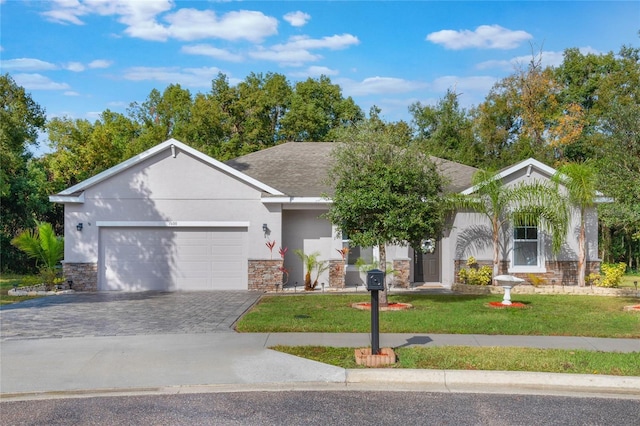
{"x":528,"y":164}
{"x":75,"y":192}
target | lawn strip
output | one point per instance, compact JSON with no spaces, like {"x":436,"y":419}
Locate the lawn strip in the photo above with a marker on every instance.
{"x":486,"y":358}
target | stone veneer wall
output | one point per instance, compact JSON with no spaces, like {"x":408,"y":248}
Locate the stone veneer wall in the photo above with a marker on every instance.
{"x":336,"y":274}
{"x":402,"y":272}
{"x":562,"y":273}
{"x":83,"y":275}
{"x":265,"y":275}
{"x":547,"y":289}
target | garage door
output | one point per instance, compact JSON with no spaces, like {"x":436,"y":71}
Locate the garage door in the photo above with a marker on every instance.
{"x":173,"y":259}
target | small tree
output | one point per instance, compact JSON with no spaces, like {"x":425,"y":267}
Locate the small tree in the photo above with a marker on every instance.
{"x":44,"y":246}
{"x":384,"y":193}
{"x":311,"y":263}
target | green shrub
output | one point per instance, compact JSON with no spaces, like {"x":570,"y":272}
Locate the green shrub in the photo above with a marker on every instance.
{"x":474,"y":274}
{"x":537,"y":280}
{"x":612,"y":274}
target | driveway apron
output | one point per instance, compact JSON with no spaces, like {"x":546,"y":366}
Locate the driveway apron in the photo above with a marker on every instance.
{"x":125,"y":314}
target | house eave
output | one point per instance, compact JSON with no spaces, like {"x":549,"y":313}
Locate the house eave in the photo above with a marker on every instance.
{"x":67,"y":199}
{"x":296,"y":200}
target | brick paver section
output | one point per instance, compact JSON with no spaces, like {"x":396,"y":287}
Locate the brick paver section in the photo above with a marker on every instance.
{"x":124,"y":314}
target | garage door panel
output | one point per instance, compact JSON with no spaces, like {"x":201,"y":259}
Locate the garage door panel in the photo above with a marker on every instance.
{"x":173,"y":259}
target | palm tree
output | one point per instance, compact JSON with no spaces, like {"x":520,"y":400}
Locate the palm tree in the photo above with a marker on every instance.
{"x":43,"y":245}
{"x":579,"y":180}
{"x":311,"y":262}
{"x":523,"y":203}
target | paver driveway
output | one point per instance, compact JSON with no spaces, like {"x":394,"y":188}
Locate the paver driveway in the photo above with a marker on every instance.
{"x":124,"y":314}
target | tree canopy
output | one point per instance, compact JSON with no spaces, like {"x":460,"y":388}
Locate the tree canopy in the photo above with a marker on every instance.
{"x":586,"y":108}
{"x":384,"y":194}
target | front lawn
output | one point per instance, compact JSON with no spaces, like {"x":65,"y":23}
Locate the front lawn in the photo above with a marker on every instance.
{"x":491,"y":358}
{"x":553,"y":315}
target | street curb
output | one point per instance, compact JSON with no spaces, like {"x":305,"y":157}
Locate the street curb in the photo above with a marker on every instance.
{"x":390,"y":379}
{"x":451,"y":379}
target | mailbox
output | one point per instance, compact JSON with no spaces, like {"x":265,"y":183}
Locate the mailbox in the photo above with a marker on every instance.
{"x":375,"y":280}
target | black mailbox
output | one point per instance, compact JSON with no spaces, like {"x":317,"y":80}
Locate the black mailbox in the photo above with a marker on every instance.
{"x":375,"y":280}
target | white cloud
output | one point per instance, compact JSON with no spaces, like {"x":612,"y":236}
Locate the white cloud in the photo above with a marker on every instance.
{"x":192,"y":24}
{"x":334,"y":42}
{"x":285,"y":57}
{"x":26,"y":64}
{"x":38,"y":82}
{"x":141,"y":20}
{"x":549,"y":59}
{"x":296,"y":51}
{"x":74,"y":66}
{"x":100,"y":63}
{"x":380,"y":85}
{"x":213,"y":52}
{"x":315,"y":71}
{"x":463,"y":84}
{"x":297,"y":19}
{"x":71,"y":93}
{"x":484,"y":37}
{"x":191,"y":77}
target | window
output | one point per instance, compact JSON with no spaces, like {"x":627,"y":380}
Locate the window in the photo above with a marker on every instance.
{"x":525,"y":246}
{"x":356,"y":252}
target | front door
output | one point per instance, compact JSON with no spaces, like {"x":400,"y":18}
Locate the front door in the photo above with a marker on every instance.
{"x":426,"y":264}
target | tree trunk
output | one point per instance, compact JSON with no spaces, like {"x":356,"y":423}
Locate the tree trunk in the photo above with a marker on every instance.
{"x":383,"y":267}
{"x":496,"y":250}
{"x":582,"y":253}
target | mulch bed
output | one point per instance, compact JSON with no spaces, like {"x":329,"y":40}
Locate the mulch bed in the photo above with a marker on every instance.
{"x":501,"y":305}
{"x":393,"y":306}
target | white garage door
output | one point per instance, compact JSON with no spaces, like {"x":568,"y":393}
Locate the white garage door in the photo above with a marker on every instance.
{"x":140,"y":259}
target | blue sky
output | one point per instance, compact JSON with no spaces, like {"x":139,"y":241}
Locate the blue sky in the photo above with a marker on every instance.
{"x":78,"y":58}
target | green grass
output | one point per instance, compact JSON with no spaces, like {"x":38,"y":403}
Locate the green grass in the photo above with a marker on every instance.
{"x":6,"y":283}
{"x":627,"y":281}
{"x":490,"y":358}
{"x":553,"y":315}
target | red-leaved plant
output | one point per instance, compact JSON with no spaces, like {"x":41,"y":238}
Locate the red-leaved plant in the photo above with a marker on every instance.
{"x":344,"y":251}
{"x":271,"y":245}
{"x":283,"y":251}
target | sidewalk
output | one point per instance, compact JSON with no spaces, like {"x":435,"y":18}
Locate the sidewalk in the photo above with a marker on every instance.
{"x":214,"y":362}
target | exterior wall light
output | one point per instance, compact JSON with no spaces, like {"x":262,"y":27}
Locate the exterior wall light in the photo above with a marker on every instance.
{"x":265,"y":228}
{"x":79,"y":226}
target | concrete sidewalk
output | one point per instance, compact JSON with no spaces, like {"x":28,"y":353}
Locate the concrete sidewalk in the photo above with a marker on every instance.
{"x":107,"y":365}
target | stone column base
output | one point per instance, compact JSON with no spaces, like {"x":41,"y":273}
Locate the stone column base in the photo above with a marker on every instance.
{"x":402,"y":273}
{"x":84,"y":276}
{"x":336,"y":274}
{"x":265,"y":275}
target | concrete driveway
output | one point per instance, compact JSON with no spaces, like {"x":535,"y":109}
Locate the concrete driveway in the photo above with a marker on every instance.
{"x":124,"y":314}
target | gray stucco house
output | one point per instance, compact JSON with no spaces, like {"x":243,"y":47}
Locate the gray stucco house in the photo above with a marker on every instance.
{"x":172,"y":218}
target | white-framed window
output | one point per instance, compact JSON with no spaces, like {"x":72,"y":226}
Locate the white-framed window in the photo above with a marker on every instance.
{"x":527,"y":249}
{"x":355,"y":252}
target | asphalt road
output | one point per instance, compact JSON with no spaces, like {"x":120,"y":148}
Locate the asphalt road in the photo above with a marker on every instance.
{"x":324,"y":408}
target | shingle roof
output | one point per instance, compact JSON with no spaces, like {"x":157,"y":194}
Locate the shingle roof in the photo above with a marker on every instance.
{"x":299,"y":169}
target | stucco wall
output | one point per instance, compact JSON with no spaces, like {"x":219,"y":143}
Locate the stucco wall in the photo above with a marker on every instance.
{"x":470,"y":235}
{"x":306,"y":230}
{"x":163,"y":188}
